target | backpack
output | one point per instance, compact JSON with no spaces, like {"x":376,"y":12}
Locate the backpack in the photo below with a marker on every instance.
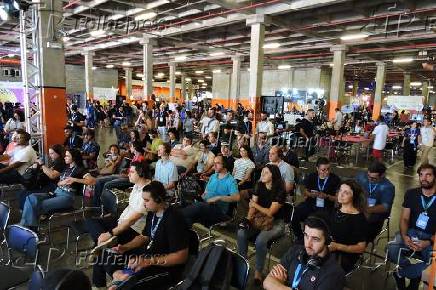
{"x":212,"y":270}
{"x":190,"y":190}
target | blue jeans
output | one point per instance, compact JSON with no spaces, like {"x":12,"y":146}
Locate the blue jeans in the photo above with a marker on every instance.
{"x":261,"y":242}
{"x":204,"y":213}
{"x":398,"y":253}
{"x":36,"y":205}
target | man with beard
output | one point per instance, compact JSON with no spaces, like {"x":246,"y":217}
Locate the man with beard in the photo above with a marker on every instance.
{"x":309,"y":267}
{"x":417,"y":231}
{"x":265,"y":125}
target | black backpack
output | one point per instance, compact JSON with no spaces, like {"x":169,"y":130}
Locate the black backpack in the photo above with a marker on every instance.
{"x":190,"y":190}
{"x":212,"y":270}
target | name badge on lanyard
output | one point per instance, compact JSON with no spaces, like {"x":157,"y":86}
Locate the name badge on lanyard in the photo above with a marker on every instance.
{"x":371,"y":200}
{"x":412,"y":136}
{"x":153,"y":231}
{"x":423,"y":218}
{"x":320,"y":202}
{"x":299,"y":272}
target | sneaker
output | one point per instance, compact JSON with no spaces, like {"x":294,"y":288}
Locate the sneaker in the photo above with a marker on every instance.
{"x":400,"y":281}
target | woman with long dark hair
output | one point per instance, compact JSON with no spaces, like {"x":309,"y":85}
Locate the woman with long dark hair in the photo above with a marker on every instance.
{"x":267,"y":203}
{"x":349,"y":224}
{"x":69,"y":184}
{"x":244,"y":167}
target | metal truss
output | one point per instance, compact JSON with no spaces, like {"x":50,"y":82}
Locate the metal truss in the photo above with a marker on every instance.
{"x":31,"y":74}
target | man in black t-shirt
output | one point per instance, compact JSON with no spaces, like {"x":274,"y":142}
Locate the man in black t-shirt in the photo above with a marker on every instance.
{"x":306,"y":130}
{"x":417,"y":230}
{"x":320,"y":192}
{"x":310,"y":267}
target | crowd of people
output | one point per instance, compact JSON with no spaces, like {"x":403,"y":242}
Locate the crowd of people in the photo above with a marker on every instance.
{"x":243,"y":171}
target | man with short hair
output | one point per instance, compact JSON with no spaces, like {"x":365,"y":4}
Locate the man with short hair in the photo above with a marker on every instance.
{"x":77,"y":120}
{"x":166,"y":170}
{"x":209,"y":123}
{"x":221,"y":190}
{"x":19,"y":160}
{"x":214,"y":144}
{"x":426,"y":139}
{"x":417,"y":230}
{"x":338,"y":119}
{"x":261,"y":151}
{"x":380,"y":192}
{"x":287,"y":172}
{"x":265,"y":125}
{"x":311,"y":267}
{"x":306,"y":130}
{"x":204,"y":160}
{"x":183,"y":154}
{"x":379,"y":135}
{"x":320,"y":189}
{"x":227,"y":155}
{"x":72,"y":141}
{"x":90,"y":149}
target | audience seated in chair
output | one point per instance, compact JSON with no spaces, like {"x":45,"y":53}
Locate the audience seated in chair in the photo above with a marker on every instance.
{"x":90,"y":150}
{"x":380,"y":193}
{"x":72,"y":140}
{"x":183,"y":154}
{"x":417,"y":230}
{"x":221,"y":190}
{"x":308,"y":267}
{"x":320,"y":192}
{"x":288,"y":175}
{"x":69,"y":185}
{"x":164,"y":243}
{"x":166,"y":171}
{"x":130,"y":224}
{"x":349,"y":226}
{"x":244,"y":168}
{"x":266,"y":205}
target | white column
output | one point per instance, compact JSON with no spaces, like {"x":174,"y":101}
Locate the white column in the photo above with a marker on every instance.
{"x":235,"y":83}
{"x":337,"y":82}
{"x":406,"y":84}
{"x":257,"y":23}
{"x":379,"y":85}
{"x":147,"y":44}
{"x":425,"y":92}
{"x":89,"y":74}
{"x":172,"y":81}
{"x":183,"y":85}
{"x":128,"y":72}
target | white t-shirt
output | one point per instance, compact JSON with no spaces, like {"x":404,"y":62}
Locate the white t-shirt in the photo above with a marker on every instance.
{"x":209,"y":125}
{"x":381,"y":134}
{"x":265,"y":127}
{"x":241,"y":167}
{"x":338,"y":120}
{"x":24,"y":154}
{"x":136,"y":205}
{"x":427,"y":135}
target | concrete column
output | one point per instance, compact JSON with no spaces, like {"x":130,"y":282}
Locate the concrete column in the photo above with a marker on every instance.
{"x":172,"y":81}
{"x":379,"y":85}
{"x":128,"y":72}
{"x":355,"y":87}
{"x":147,"y":45}
{"x":406,"y":84}
{"x":337,"y":83}
{"x":183,"y":85}
{"x":235,"y":83}
{"x":257,"y":23}
{"x":52,"y":62}
{"x":425,"y":92}
{"x":89,"y":74}
{"x":190,"y":90}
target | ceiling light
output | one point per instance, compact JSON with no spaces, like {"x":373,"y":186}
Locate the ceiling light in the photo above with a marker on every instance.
{"x":431,"y":92}
{"x":3,"y":13}
{"x":160,"y":75}
{"x":429,"y":87}
{"x":96,"y":33}
{"x":350,"y":86}
{"x":284,"y":66}
{"x":415,"y":84}
{"x":396,"y":87}
{"x":199,"y":72}
{"x":271,"y":45}
{"x":13,"y":55}
{"x":215,"y":71}
{"x":331,"y":64}
{"x":126,"y":63}
{"x":218,"y":53}
{"x":94,"y":68}
{"x":178,"y":73}
{"x":110,"y":66}
{"x":402,"y":60}
{"x":180,"y":57}
{"x":146,"y":16}
{"x":139,"y":75}
{"x":188,"y":79}
{"x":208,"y":77}
{"x":200,"y":81}
{"x":354,"y":36}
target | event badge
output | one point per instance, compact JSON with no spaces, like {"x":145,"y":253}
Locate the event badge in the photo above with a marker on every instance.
{"x":422,"y":221}
{"x":161,"y":119}
{"x":371,"y":202}
{"x":319,"y":202}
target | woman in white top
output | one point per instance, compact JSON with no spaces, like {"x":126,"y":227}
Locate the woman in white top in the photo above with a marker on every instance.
{"x":427,"y":139}
{"x":244,"y":167}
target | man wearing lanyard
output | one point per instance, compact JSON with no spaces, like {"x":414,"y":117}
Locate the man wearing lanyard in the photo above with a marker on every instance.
{"x":310,"y":267}
{"x":381,"y":193}
{"x":417,"y":230}
{"x":320,"y":194}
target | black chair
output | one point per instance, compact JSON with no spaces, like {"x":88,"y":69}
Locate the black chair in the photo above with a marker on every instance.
{"x":231,"y":213}
{"x":240,"y":271}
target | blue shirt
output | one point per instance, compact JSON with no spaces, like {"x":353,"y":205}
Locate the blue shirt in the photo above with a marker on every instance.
{"x":383,"y":192}
{"x":226,"y":186}
{"x":166,"y":172}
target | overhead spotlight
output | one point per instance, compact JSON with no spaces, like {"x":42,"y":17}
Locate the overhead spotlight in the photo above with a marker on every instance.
{"x":110,"y":66}
{"x":199,"y":72}
{"x":402,"y":60}
{"x":177,"y":73}
{"x":126,"y":63}
{"x":354,"y":36}
{"x":215,"y":71}
{"x":284,"y":66}
{"x":180,"y":58}
{"x":94,"y":68}
{"x":218,"y":53}
{"x":271,"y":45}
{"x":415,"y":84}
{"x":188,"y":79}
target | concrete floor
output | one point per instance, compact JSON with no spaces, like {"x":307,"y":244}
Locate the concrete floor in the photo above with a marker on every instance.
{"x":363,"y":279}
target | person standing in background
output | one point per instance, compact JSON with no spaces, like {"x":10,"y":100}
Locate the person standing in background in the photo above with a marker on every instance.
{"x":427,"y":139}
